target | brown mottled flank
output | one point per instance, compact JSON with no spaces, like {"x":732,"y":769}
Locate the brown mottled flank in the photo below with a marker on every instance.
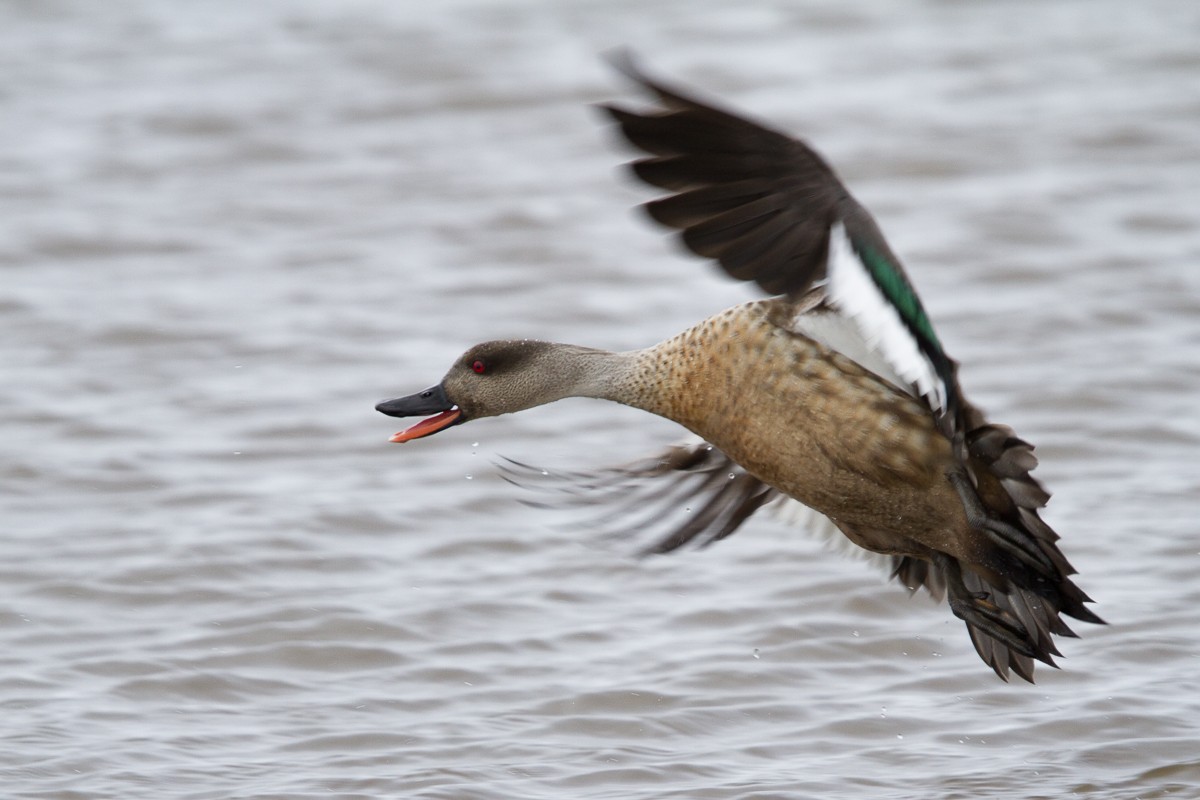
{"x":811,"y":423}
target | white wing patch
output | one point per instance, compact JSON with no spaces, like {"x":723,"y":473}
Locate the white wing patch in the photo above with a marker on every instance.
{"x":852,"y":291}
{"x":844,"y":335}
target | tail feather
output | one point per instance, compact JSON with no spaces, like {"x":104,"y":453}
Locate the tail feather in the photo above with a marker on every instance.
{"x":1026,"y":583}
{"x":1038,"y":592}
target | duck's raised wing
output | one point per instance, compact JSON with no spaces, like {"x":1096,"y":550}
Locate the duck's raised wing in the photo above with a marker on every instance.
{"x":768,"y":209}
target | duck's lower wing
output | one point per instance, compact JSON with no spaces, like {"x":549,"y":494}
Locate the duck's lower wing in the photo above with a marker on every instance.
{"x":690,"y":494}
{"x":696,"y":495}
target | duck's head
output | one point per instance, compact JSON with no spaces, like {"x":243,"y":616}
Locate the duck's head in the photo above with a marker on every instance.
{"x":490,"y":379}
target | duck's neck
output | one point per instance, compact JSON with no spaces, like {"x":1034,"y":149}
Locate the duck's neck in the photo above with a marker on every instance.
{"x":689,"y":378}
{"x":601,"y":374}
{"x":634,"y":378}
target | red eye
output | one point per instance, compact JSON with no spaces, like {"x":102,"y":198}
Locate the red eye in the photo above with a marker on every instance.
{"x":479,"y":367}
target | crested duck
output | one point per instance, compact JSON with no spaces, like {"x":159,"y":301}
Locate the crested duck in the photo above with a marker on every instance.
{"x":834,"y":391}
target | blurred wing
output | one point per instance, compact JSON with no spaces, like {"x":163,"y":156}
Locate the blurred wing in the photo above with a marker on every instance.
{"x":689,"y":494}
{"x":769,"y":209}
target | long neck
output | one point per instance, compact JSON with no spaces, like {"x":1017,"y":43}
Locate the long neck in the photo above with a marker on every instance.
{"x":694,"y":378}
{"x":589,"y":372}
{"x":637,"y":378}
{"x":664,"y":379}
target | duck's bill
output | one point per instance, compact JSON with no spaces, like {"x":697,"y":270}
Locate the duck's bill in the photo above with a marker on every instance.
{"x":427,"y":427}
{"x":429,"y":401}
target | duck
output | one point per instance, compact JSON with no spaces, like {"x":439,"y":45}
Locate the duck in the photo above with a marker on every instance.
{"x":833,"y":390}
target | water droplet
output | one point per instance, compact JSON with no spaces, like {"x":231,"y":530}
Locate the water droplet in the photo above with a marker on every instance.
{"x":854,"y":634}
{"x":899,"y":735}
{"x":732,"y":476}
{"x":474,"y":444}
{"x":469,"y":478}
{"x":756,"y":652}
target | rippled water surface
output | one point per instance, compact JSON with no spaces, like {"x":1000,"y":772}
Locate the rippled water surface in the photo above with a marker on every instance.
{"x":228,"y":229}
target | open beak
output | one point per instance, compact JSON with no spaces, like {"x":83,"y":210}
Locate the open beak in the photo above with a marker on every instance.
{"x":431,"y":401}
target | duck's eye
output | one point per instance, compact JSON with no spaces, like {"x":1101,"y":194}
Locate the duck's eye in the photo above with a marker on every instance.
{"x":479,"y":367}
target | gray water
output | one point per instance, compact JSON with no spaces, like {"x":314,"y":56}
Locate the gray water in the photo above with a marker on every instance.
{"x":228,"y":229}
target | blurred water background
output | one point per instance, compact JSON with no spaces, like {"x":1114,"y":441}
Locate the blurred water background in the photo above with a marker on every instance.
{"x":227,"y":229}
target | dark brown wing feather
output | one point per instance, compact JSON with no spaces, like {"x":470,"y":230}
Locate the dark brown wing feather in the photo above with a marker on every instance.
{"x":756,"y":200}
{"x":1039,"y":589}
{"x":762,"y":205}
{"x":685,"y":495}
{"x":1033,"y":586}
